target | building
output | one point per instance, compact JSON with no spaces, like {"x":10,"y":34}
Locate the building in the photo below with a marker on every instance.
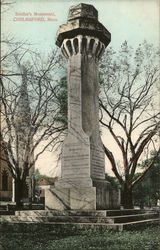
{"x":5,"y":178}
{"x":42,"y":185}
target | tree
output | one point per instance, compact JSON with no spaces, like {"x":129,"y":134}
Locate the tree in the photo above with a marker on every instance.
{"x":62,"y":99}
{"x":149,"y":186}
{"x":6,"y":5}
{"x":113,"y":180}
{"x":130,"y":110}
{"x":29,"y":105}
{"x":29,"y":110}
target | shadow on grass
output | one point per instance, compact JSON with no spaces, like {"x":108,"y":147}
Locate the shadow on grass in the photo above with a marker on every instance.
{"x":148,"y":238}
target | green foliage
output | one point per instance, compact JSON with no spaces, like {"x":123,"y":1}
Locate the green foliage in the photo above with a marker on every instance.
{"x":39,"y":176}
{"x":147,"y":191}
{"x":62,"y":100}
{"x":113,"y":180}
{"x":148,"y":238}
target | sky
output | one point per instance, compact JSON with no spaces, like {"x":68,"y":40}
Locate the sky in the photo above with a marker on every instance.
{"x":131,"y":20}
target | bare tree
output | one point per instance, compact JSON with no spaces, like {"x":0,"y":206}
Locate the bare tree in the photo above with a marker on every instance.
{"x":130,"y":110}
{"x":6,"y":5}
{"x":29,"y":110}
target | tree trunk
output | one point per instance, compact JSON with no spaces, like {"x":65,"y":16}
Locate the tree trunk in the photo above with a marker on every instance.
{"x":126,"y":198}
{"x":19,"y":193}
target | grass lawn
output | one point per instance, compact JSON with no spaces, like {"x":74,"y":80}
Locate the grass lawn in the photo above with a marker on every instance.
{"x":148,"y":238}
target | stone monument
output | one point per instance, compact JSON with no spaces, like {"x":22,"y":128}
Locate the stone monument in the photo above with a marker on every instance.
{"x":23,"y":124}
{"x":82,"y":185}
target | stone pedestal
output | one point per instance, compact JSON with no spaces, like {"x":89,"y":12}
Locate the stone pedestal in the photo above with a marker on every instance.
{"x":107,"y":197}
{"x":82,"y":185}
{"x":102,"y":196}
{"x":71,"y":198}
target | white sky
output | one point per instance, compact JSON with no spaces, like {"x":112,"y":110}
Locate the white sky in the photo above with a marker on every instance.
{"x":132,"y":20}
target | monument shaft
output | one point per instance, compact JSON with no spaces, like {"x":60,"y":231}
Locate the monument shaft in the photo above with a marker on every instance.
{"x":82,"y":184}
{"x":83,"y":156}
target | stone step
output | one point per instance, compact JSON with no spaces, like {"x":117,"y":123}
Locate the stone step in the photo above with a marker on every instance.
{"x":26,"y":207}
{"x":79,"y":219}
{"x":133,"y":217}
{"x":127,"y":212}
{"x":18,"y":219}
{"x":141,"y":223}
{"x":8,"y":218}
{"x":64,"y":219}
{"x":99,"y":213}
{"x":25,"y":226}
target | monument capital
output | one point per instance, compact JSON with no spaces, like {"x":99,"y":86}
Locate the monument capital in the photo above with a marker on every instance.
{"x":83,"y":20}
{"x":82,"y":10}
{"x":88,"y":45}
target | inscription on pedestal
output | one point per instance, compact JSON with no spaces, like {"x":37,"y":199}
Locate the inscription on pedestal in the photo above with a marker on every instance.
{"x":76,"y":160}
{"x":97,"y":162}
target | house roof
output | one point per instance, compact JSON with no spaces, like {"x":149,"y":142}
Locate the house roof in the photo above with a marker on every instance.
{"x":48,"y":181}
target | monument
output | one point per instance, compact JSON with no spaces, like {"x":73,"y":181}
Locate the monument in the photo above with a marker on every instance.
{"x":82,"y":184}
{"x":23,"y":124}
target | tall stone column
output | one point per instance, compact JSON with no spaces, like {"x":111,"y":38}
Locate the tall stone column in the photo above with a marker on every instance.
{"x":82,"y":185}
{"x":82,"y":156}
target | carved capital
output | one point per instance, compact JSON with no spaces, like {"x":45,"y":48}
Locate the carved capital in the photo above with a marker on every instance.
{"x":88,"y":45}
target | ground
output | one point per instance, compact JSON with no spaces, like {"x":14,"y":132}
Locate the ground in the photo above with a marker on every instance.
{"x":147,"y":238}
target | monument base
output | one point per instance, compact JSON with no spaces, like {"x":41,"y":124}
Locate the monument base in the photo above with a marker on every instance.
{"x":71,"y":198}
{"x":107,"y":196}
{"x":101,"y":196}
